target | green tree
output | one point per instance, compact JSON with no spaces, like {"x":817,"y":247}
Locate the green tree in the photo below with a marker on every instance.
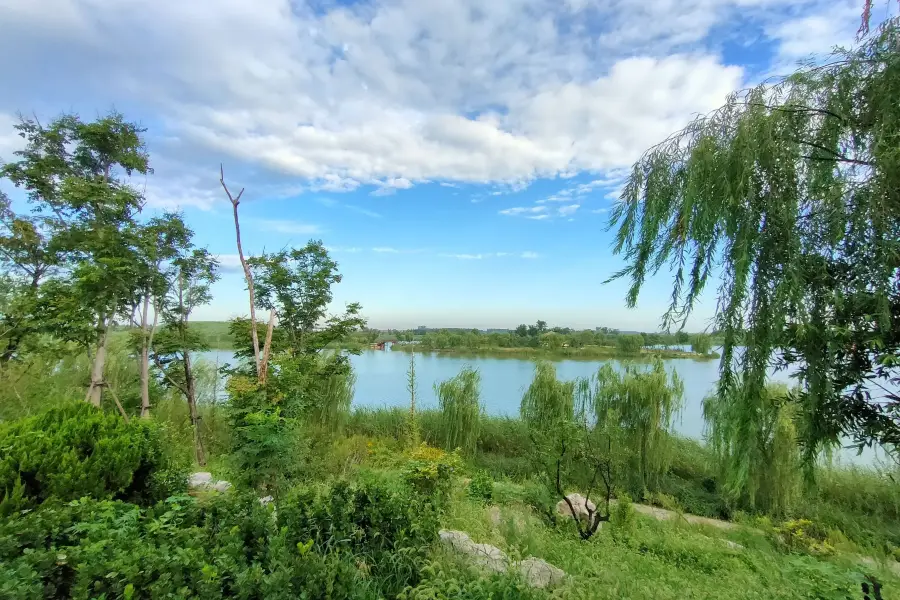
{"x":630,"y":343}
{"x":794,"y":189}
{"x":643,"y":404}
{"x":701,"y":343}
{"x":196,"y":272}
{"x":758,"y":455}
{"x":460,"y":403}
{"x":158,"y":244}
{"x":75,"y":175}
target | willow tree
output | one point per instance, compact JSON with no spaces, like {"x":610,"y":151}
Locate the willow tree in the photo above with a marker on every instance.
{"x":641,"y":403}
{"x":789,"y":196}
{"x":759,"y":469}
{"x":460,"y":403}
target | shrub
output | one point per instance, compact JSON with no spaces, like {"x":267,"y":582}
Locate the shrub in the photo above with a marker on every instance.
{"x":383,"y":525}
{"x":481,"y":487}
{"x":429,"y":472}
{"x":228,"y":547}
{"x":803,"y":536}
{"x":77,"y":450}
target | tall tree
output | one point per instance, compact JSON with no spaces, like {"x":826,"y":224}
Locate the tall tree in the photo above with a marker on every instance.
{"x":75,"y":175}
{"x":159,"y":244}
{"x":792,"y":192}
{"x":195,"y":273}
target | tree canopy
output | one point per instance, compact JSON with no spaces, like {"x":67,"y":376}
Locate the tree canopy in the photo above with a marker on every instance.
{"x":790,"y":195}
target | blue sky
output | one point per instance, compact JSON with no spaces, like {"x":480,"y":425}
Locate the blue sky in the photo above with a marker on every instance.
{"x":458,"y":157}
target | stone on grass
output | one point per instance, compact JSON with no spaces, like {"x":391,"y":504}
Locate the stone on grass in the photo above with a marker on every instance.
{"x":199,"y":480}
{"x":204,"y":481}
{"x":265,"y":500}
{"x":482,"y":555}
{"x":538,"y":573}
{"x":583,"y":508}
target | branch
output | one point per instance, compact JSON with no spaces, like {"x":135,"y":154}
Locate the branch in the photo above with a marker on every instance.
{"x":166,"y":375}
{"x":116,"y":400}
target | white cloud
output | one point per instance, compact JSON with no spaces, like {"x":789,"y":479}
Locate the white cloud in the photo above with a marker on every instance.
{"x":565,"y":211}
{"x":286,"y":226}
{"x":9,"y":140}
{"x":229,"y":263}
{"x":529,"y":255}
{"x":386,"y":93}
{"x":385,"y":250}
{"x":522,"y":210}
{"x":392,"y":185}
{"x":538,"y":217}
{"x":600,"y":211}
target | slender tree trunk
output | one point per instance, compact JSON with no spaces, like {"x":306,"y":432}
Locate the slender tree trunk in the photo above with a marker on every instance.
{"x":95,"y":389}
{"x":192,"y":406}
{"x":235,"y":200}
{"x":267,"y":349}
{"x":145,"y":360}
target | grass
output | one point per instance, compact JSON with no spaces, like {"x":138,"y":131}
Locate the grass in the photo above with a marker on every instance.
{"x":646,"y":559}
{"x":863,"y":504}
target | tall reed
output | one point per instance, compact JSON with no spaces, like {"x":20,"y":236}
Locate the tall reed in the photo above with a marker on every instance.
{"x":461,"y":410}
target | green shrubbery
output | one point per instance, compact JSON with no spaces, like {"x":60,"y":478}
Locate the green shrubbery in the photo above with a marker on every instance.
{"x":76,"y":450}
{"x":361,"y":540}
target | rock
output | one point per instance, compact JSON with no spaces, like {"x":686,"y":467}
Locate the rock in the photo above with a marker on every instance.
{"x":732,"y":545}
{"x":539,"y":573}
{"x":221,"y":486}
{"x":200,"y":480}
{"x":205,"y":481}
{"x":266,"y":500}
{"x":482,"y":555}
{"x":580,"y":506}
{"x":494,"y":515}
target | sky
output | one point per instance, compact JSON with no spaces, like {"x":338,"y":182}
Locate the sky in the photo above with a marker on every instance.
{"x":459,"y":158}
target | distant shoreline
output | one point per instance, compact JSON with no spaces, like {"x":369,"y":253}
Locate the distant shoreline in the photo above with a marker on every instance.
{"x":587,"y":353}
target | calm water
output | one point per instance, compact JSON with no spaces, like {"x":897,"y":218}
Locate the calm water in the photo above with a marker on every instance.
{"x":381,"y":381}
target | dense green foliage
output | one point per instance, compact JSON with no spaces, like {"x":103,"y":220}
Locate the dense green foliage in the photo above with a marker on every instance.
{"x":460,"y":405}
{"x":76,"y":450}
{"x":764,"y":473}
{"x":791,"y":193}
{"x":222,"y":547}
{"x":641,"y":404}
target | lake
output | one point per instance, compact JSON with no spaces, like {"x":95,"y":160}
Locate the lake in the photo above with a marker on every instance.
{"x":381,"y":381}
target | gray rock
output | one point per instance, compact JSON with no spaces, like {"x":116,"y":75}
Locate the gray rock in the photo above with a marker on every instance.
{"x":539,"y":573}
{"x":580,"y":505}
{"x":482,"y":555}
{"x":266,"y":500}
{"x":221,"y":486}
{"x":732,"y":545}
{"x":494,"y":515}
{"x":204,"y":481}
{"x":200,"y":480}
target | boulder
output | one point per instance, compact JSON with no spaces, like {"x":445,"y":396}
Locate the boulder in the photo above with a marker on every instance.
{"x":266,"y":500}
{"x":538,"y":573}
{"x":489,"y":557}
{"x":204,"y":481}
{"x":200,"y":480}
{"x":580,"y":505}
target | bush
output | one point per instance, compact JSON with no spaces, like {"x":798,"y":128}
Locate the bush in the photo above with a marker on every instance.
{"x":229,"y":547}
{"x":481,"y":487}
{"x":77,"y":450}
{"x":429,"y":472}
{"x":385,"y":526}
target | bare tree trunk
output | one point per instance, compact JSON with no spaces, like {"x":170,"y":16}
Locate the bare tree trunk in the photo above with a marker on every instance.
{"x":235,"y":200}
{"x":145,"y":360}
{"x":95,"y":389}
{"x":267,"y":348}
{"x":192,"y":406}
